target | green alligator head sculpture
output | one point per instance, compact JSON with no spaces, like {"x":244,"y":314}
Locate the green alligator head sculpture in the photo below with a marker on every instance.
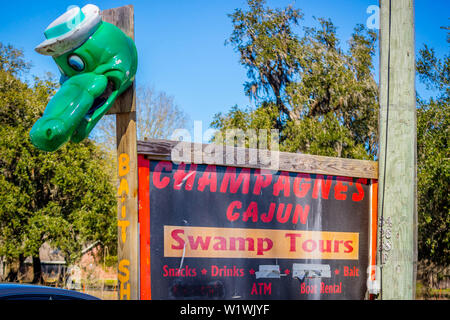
{"x":97,"y":61}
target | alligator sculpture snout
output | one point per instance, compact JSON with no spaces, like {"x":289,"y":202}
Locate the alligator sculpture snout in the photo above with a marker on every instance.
{"x":98,"y":62}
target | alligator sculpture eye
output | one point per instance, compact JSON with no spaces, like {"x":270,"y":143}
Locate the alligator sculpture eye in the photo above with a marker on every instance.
{"x":75,"y":62}
{"x":98,"y":63}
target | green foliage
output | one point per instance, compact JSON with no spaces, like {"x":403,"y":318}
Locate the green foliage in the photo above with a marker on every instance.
{"x":327,"y":99}
{"x":264,"y":118}
{"x":433,"y":170}
{"x":110,"y":261}
{"x":433,"y":173}
{"x":260,"y":118}
{"x":64,"y":197}
{"x":11,"y":60}
{"x":326,"y":137}
{"x":324,"y":101}
{"x":266,"y":44}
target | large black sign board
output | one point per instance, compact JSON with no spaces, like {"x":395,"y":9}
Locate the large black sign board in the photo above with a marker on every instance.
{"x":238,"y":233}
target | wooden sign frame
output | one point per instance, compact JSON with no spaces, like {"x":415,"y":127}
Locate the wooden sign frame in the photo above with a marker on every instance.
{"x":153,"y":149}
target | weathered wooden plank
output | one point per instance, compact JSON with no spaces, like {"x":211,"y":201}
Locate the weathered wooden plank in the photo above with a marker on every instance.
{"x":294,"y":162}
{"x":128,"y":232}
{"x":123,"y":18}
{"x":397,"y":126}
{"x":128,"y":249}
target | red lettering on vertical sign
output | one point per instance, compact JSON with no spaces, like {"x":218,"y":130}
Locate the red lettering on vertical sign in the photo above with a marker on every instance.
{"x":293,"y":241}
{"x":324,"y":248}
{"x":262,"y":288}
{"x":348,"y":246}
{"x":302,"y":188}
{"x":283,"y":218}
{"x":209,"y":178}
{"x":339,"y":188}
{"x":282,"y":184}
{"x":230,"y":179}
{"x":231,"y":215}
{"x":251,"y":212}
{"x":324,"y":185}
{"x":195,"y":243}
{"x":267,"y":217}
{"x":263,"y":180}
{"x":309,"y":245}
{"x":264,"y":245}
{"x":157,"y":182}
{"x":301,"y":214}
{"x":360,"y":195}
{"x":175,"y":236}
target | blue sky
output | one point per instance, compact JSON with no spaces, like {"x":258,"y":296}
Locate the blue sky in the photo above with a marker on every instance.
{"x":181,"y":43}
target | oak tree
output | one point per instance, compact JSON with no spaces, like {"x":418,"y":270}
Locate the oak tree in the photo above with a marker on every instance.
{"x":64,"y":197}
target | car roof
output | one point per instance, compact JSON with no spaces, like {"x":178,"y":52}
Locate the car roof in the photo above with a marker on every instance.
{"x":22,"y":291}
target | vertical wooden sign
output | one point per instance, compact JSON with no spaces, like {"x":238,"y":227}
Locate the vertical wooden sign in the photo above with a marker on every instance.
{"x":125,"y":111}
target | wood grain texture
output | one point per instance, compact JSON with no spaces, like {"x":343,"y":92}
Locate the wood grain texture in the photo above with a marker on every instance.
{"x":128,"y":250}
{"x":123,"y":18}
{"x":293,"y":162}
{"x":397,"y":210}
{"x":127,"y":201}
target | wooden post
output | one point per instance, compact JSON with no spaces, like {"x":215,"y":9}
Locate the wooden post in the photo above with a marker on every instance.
{"x":397,"y":157}
{"x":127,"y":215}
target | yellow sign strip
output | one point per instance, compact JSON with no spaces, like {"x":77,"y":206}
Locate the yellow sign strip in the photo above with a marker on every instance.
{"x":206,"y":242}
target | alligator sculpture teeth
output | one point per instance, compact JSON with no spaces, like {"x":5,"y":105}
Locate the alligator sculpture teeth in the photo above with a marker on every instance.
{"x":98,"y":62}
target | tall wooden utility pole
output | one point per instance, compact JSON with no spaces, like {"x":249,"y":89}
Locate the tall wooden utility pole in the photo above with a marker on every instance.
{"x":127,"y":210}
{"x":397,"y":210}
